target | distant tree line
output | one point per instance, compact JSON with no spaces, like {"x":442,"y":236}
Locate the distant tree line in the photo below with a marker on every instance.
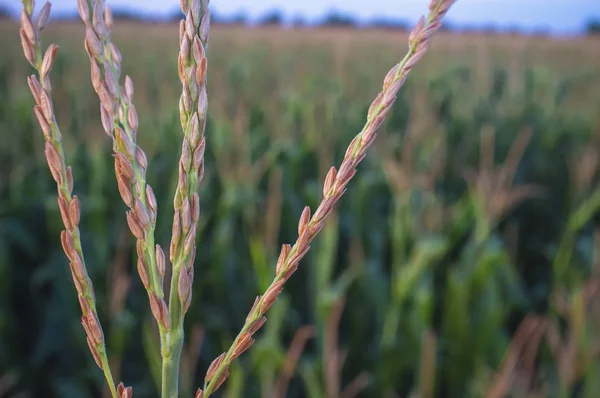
{"x":333,"y":19}
{"x":338,"y":19}
{"x":4,"y":13}
{"x":593,"y":27}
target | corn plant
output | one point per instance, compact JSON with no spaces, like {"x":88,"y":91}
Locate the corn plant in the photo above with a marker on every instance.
{"x":120,"y":122}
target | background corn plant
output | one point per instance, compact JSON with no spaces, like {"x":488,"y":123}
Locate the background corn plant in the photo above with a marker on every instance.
{"x":462,"y":261}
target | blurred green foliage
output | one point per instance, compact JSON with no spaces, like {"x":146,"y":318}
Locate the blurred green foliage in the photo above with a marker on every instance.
{"x":462,"y":261}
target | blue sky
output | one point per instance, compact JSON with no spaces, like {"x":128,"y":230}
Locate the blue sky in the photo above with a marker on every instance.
{"x":558,"y":15}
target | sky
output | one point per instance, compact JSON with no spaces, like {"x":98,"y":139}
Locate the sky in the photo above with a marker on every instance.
{"x":558,"y":16}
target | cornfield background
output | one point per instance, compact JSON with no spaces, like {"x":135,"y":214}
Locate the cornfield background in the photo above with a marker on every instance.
{"x":462,"y":262}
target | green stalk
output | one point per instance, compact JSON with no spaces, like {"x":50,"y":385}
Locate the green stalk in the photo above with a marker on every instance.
{"x":68,"y":203}
{"x":192,"y":67}
{"x":171,"y":356}
{"x":334,"y":187}
{"x":120,"y":122}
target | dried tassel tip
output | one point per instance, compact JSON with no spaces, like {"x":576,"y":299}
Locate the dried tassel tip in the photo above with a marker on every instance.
{"x":46,"y":105}
{"x":78,"y":268}
{"x":125,"y":143}
{"x":124,"y":189}
{"x":94,"y":327}
{"x":132,"y":118}
{"x":205,"y":27}
{"x":34,"y":86}
{"x":190,"y":241}
{"x":283,"y":255}
{"x":134,"y":225}
{"x":46,"y":128}
{"x":143,"y":272}
{"x":94,"y":44}
{"x":83,"y":303}
{"x":198,"y":51}
{"x":243,"y":343}
{"x":108,"y":17}
{"x":49,"y":58}
{"x":414,"y":34}
{"x":195,"y":10}
{"x":28,"y":48}
{"x":184,"y":285}
{"x":195,"y":207}
{"x":124,"y":166}
{"x":160,"y":260}
{"x":69,"y":179}
{"x":75,"y":211}
{"x":210,"y":373}
{"x":124,"y":392}
{"x":141,"y":213}
{"x":160,"y":311}
{"x":84,"y":11}
{"x":55,"y":161}
{"x":151,"y":200}
{"x":222,"y":379}
{"x":67,"y":244}
{"x":329,"y":181}
{"x":256,"y":325}
{"x":175,"y":234}
{"x":203,"y":103}
{"x":304,"y":219}
{"x":201,"y":71}
{"x":43,"y":16}
{"x":63,"y":207}
{"x":254,"y":307}
{"x":198,"y":158}
{"x":30,"y":31}
{"x":186,"y":154}
{"x":94,"y":352}
{"x":271,"y":295}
